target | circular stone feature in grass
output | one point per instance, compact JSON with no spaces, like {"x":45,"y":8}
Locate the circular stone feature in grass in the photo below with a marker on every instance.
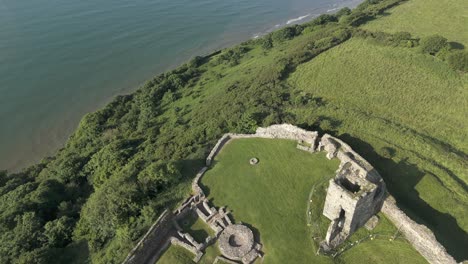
{"x":253,"y":161}
{"x":236,"y":241}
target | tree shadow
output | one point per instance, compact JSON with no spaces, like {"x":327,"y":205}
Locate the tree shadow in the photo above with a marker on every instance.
{"x":190,"y":167}
{"x":401,"y":179}
{"x":456,"y":45}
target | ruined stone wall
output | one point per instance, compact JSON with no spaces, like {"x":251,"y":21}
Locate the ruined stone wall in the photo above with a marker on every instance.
{"x":421,"y":237}
{"x":155,"y":238}
{"x":336,"y":200}
{"x":219,"y":145}
{"x":287,"y":131}
{"x":197,"y":190}
{"x":365,"y":209}
{"x":284,"y":131}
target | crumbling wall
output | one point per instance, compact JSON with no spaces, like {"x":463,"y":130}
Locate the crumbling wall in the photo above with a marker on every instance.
{"x":353,"y":196}
{"x":197,"y":190}
{"x":421,"y":237}
{"x":339,"y":149}
{"x":287,"y":131}
{"x":219,"y":145}
{"x":283,"y":131}
{"x":155,"y":238}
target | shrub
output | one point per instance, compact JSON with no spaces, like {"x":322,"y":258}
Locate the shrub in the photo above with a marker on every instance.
{"x":387,"y":152}
{"x":195,"y":62}
{"x":433,"y":44}
{"x":284,"y":34}
{"x":343,"y":12}
{"x":401,"y":36}
{"x":324,"y":43}
{"x":323,"y":19}
{"x":458,"y":60}
{"x":267,"y":43}
{"x":326,"y":125}
{"x":444,"y":53}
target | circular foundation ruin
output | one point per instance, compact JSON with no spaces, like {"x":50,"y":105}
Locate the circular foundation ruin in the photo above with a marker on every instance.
{"x":236,"y":241}
{"x":253,"y":161}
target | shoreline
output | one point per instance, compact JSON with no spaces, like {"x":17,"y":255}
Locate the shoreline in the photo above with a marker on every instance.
{"x":46,"y":142}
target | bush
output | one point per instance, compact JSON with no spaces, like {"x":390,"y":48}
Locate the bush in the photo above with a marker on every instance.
{"x":195,"y":62}
{"x":458,"y":60}
{"x":343,"y":12}
{"x":267,"y":42}
{"x":400,"y":36}
{"x":284,"y":34}
{"x":444,"y":53}
{"x":387,"y":152}
{"x":324,"y":19}
{"x":433,"y":44}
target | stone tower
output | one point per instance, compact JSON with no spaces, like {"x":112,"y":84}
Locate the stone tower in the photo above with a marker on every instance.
{"x":353,"y":196}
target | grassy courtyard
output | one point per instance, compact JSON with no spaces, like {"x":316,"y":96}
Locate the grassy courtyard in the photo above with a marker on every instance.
{"x":272,"y":198}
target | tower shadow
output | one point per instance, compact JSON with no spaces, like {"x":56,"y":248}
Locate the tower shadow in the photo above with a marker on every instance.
{"x":401,"y":179}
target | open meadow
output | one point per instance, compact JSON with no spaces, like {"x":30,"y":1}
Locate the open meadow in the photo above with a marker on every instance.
{"x":448,"y":18}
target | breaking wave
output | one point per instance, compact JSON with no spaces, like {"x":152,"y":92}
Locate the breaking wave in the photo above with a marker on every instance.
{"x":297,"y":19}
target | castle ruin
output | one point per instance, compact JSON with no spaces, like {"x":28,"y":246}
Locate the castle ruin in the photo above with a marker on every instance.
{"x":354,"y":196}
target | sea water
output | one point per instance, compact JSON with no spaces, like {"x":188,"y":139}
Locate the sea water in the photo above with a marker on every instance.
{"x":60,"y":59}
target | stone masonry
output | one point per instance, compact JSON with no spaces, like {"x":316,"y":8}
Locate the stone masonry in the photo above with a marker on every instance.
{"x":353,"y":196}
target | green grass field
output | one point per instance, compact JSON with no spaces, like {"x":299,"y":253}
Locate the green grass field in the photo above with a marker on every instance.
{"x":448,"y":18}
{"x":272,"y":198}
{"x":176,"y":255}
{"x":413,"y":103}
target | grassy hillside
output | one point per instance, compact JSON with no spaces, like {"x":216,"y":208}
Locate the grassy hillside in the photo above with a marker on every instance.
{"x":448,"y":18}
{"x":402,"y":109}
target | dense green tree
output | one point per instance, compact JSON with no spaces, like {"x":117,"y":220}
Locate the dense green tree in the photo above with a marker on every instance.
{"x":58,"y":232}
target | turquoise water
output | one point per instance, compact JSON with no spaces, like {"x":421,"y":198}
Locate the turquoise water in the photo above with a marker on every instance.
{"x":60,"y":59}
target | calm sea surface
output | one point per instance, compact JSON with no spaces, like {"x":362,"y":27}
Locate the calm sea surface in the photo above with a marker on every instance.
{"x":60,"y":59}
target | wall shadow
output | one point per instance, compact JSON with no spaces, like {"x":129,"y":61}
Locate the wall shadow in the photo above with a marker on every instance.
{"x":401,"y":179}
{"x":255,"y":232}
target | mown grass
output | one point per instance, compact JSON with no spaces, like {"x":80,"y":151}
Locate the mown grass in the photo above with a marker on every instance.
{"x":378,"y":97}
{"x":448,"y":18}
{"x":385,"y":237}
{"x":272,"y":197}
{"x":176,"y":255}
